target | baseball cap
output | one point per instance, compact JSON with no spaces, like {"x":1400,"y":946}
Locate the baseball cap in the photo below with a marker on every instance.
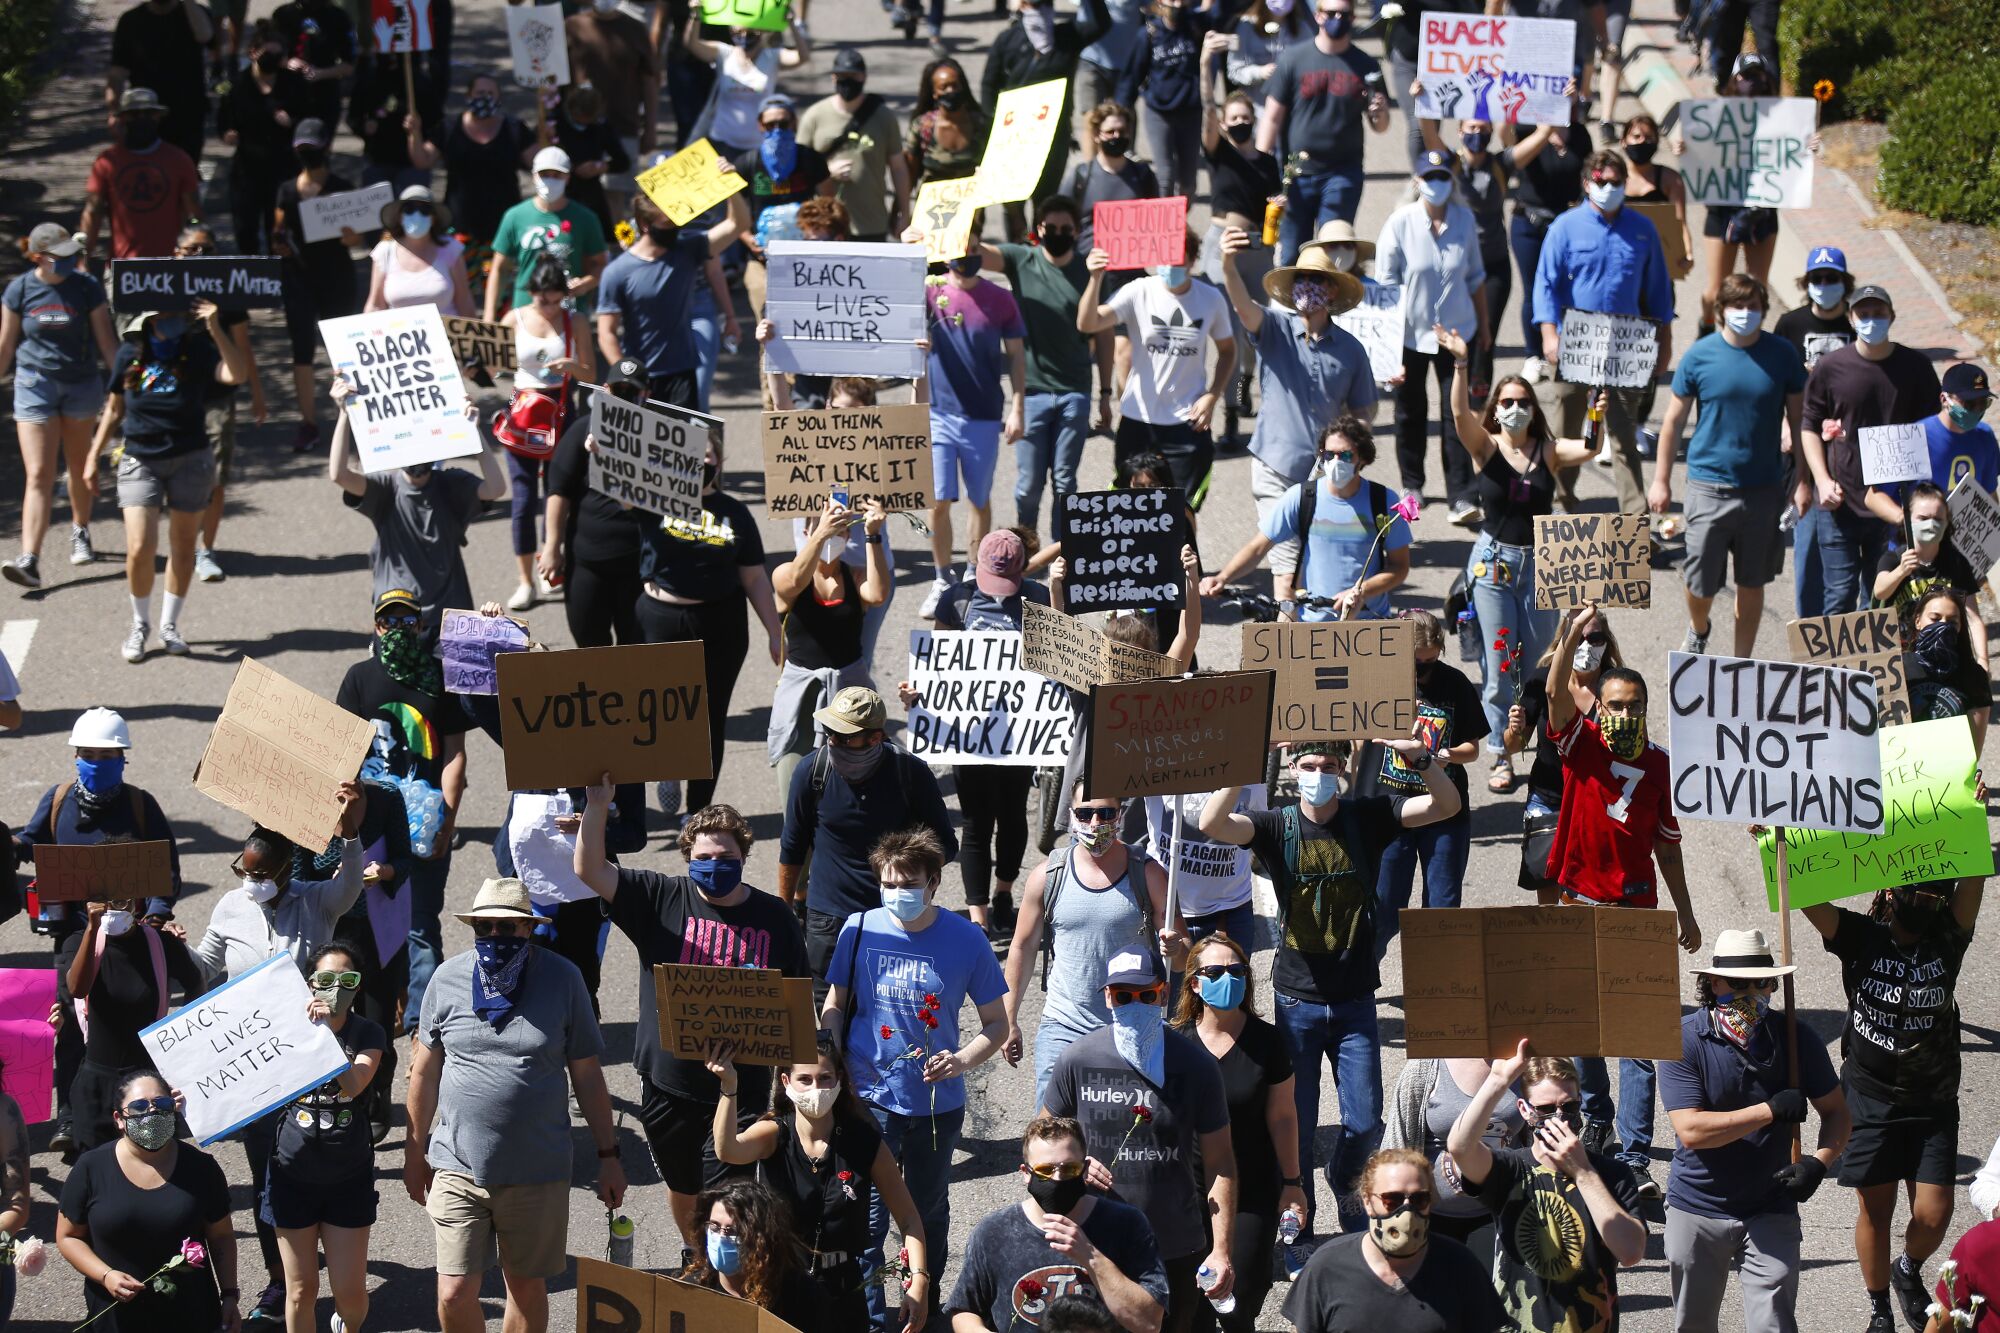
{"x":54,"y":240}
{"x":1829,"y":258}
{"x":1871,"y":293}
{"x":627,"y":371}
{"x":777,"y":100}
{"x":854,"y":710}
{"x":140,"y":101}
{"x":1002,"y":562}
{"x":397,"y":597}
{"x":311,"y":133}
{"x":847,"y":60}
{"x":1130,"y":967}
{"x":551,"y":159}
{"x":1434,"y":163}
{"x":1964,"y":381}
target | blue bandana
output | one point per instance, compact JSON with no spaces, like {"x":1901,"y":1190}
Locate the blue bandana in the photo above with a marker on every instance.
{"x":497,"y":975}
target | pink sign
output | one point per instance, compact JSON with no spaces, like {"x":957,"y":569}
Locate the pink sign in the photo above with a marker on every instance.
{"x":27,"y":1042}
{"x":1141,"y":233}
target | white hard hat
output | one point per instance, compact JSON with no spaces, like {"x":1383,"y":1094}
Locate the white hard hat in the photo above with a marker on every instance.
{"x":100,"y":729}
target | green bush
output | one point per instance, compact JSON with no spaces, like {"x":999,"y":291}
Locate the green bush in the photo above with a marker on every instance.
{"x":1879,"y":55}
{"x":26,"y":28}
{"x":1942,"y":156}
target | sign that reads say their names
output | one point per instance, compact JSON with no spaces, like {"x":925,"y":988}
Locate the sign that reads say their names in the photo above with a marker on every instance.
{"x":1608,"y":351}
{"x":1141,"y":233}
{"x":977,"y":704}
{"x":1168,"y":737}
{"x":1774,"y":743}
{"x":408,"y":406}
{"x":279,"y":753}
{"x":1338,"y":680}
{"x":639,"y":712}
{"x":324,"y":216}
{"x":690,"y":182}
{"x":1975,"y":525}
{"x":229,"y":282}
{"x":646,"y":458}
{"x":103,"y":872}
{"x":1065,"y":649}
{"x":1026,"y":122}
{"x":1510,"y":70}
{"x":1753,"y":151}
{"x":244,"y":1048}
{"x":1868,"y":641}
{"x":1123,"y":548}
{"x":535,"y":40}
{"x":1585,"y":559}
{"x":1377,"y":324}
{"x":765,"y":1016}
{"x":845,"y":308}
{"x":872,"y":453}
{"x":481,"y":342}
{"x":1894,"y":453}
{"x":469,"y":643}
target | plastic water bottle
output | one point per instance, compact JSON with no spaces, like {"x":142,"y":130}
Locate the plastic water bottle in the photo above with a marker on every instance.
{"x":618,"y":1245}
{"x":1207,"y":1277}
{"x":1290,"y":1224}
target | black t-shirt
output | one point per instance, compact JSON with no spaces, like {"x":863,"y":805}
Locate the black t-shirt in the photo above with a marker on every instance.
{"x":1901,"y":1040}
{"x":379,"y":96}
{"x":410,"y":726}
{"x":1091,"y":184}
{"x":1251,"y":1068}
{"x":1846,"y":386}
{"x":124,"y":996}
{"x":166,"y":410}
{"x":263,"y":142}
{"x":483,"y":180}
{"x":1449,"y":713}
{"x":1552,"y":1265}
{"x":829,"y":1201}
{"x":1932,"y":697}
{"x":1553,"y":179}
{"x":1337,"y":1292}
{"x":322,"y":1138}
{"x":1813,"y":335}
{"x":1403,"y":35}
{"x":1007,"y":1252}
{"x":136,"y":1230}
{"x":600,"y":529}
{"x":1951,"y":570}
{"x":1326,"y":894}
{"x":1326,"y":99}
{"x":1240,"y":182}
{"x":327,"y":263}
{"x":822,"y":636}
{"x":160,"y":52}
{"x":321,"y":34}
{"x":702,"y":563}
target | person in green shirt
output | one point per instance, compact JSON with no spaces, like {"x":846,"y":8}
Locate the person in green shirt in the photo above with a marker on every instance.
{"x":549,"y":223}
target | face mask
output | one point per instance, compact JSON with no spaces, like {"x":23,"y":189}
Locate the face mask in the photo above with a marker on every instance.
{"x":1587,"y":656}
{"x":1937,"y":648}
{"x":1571,"y":1115}
{"x":1095,"y":837}
{"x":716,"y":876}
{"x":169,"y":328}
{"x":1963,"y":417}
{"x":1341,"y":257}
{"x":709,"y":473}
{"x":1873,"y":331}
{"x":724,"y":1254}
{"x":779,"y":151}
{"x":419,"y":474}
{"x":967,"y":266}
{"x":1056,"y":244}
{"x":1241,"y":132}
{"x":151,"y":1132}
{"x":66,"y":265}
{"x":1607,"y":196}
{"x":1223,"y":992}
{"x":905,"y":902}
{"x":1514,"y":417}
{"x":1341,"y":470}
{"x":815,"y":1102}
{"x":1338,"y":26}
{"x":1743,"y":321}
{"x":848,"y":89}
{"x":1055,"y":1196}
{"x":1401,"y":1233}
{"x":260,"y":890}
{"x":744,"y":40}
{"x":336,"y":998}
{"x":1624,"y":736}
{"x":485,"y":105}
{"x":1424,"y":668}
{"x":141,"y":134}
{"x":1926,"y":530}
{"x":856,"y":765}
{"x":1040,"y":26}
{"x":1171,"y":15}
{"x":551,"y":188}
{"x":1278,"y":8}
{"x":269,"y":62}
{"x":952,"y":100}
{"x":606,"y":6}
{"x":1174,"y":275}
{"x":1739,"y":1015}
{"x":1139,"y":1031}
{"x":1308,"y":298}
{"x":1826,"y":295}
{"x":1115,"y":145}
{"x":416,"y":223}
{"x":496,"y":951}
{"x":117,"y":921}
{"x":1319,"y":786}
{"x":311,"y":158}
{"x":1475,"y":142}
{"x":1435,"y":191}
{"x":101,"y":777}
{"x":1641,"y":153}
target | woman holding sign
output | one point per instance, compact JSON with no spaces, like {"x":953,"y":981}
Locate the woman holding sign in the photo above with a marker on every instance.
{"x":826,"y":610}
{"x":319,"y":275}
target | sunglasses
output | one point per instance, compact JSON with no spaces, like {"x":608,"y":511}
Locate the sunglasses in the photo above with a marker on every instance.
{"x":482,"y":929}
{"x":1562,"y":1110}
{"x":1606,"y":180}
{"x":344,"y":980}
{"x":1597,"y":638}
{"x":1749,"y":983}
{"x":1122,"y":996}
{"x":408,"y":620}
{"x":195,"y":252}
{"x":1094,"y":814}
{"x":1217,"y":971}
{"x":236,"y":869}
{"x":1512,"y":402}
{"x":1396,"y":1200}
{"x":1057,"y":1170}
{"x":150,"y":1106}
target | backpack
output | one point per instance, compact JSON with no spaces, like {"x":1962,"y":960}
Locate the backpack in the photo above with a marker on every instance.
{"x":1057,"y":870}
{"x":1378,"y":504}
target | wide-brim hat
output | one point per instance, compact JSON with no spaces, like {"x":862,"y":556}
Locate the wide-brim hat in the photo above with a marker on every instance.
{"x":392,"y":212}
{"x":1341,"y":232}
{"x":1742,"y":953}
{"x":132,"y":321}
{"x":1314,"y":261}
{"x":503,"y":900}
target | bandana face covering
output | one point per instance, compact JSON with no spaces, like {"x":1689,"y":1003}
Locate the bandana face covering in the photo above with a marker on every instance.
{"x":1093,"y":838}
{"x":1308,"y":297}
{"x":1623,"y":736}
{"x":1139,"y":1031}
{"x":1737,"y":1016}
{"x":502,"y":959}
{"x":856,"y":765}
{"x":408,"y":663}
{"x":1937,"y":648}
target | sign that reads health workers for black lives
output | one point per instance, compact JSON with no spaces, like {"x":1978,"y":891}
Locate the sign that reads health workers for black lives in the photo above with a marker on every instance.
{"x":229,"y":282}
{"x":846,"y":308}
{"x":1785,"y":744}
{"x":1123,"y":549}
{"x":647,"y":458}
{"x":976,"y":703}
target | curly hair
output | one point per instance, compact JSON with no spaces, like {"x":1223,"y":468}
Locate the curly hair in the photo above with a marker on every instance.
{"x":824,"y":214}
{"x":763,"y":1235}
{"x":720,"y":820}
{"x":1104,"y":111}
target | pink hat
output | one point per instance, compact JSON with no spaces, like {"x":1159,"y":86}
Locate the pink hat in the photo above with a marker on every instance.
{"x":1002,"y":561}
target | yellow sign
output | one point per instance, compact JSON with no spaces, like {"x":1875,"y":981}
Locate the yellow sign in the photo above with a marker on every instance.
{"x":770,"y":15}
{"x":690,"y":183}
{"x":944,"y":213}
{"x":1025,"y":124}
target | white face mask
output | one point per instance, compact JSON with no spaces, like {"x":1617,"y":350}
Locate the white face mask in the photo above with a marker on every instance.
{"x":1514,"y":417}
{"x":1587,"y":656}
{"x":1607,"y":196}
{"x":552,"y":188}
{"x":116,"y":921}
{"x":1743,"y":319}
{"x":1436,"y":191}
{"x":1926,"y":530}
{"x":815,"y":1102}
{"x":260,"y":890}
{"x":1826,"y":295}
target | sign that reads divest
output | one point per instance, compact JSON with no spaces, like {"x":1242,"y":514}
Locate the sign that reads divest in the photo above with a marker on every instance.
{"x":1774,"y":743}
{"x":872,"y":453}
{"x":468,"y":645}
{"x":1975,"y":525}
{"x":1752,"y":151}
{"x":690,"y":182}
{"x":228,"y":282}
{"x":1511,"y":70}
{"x":244,"y":1048}
{"x":1377,"y":324}
{"x":639,"y":712}
{"x":1868,"y":641}
{"x":976,"y":703}
{"x":845,"y":308}
{"x":1894,"y":453}
{"x":1025,"y":124}
{"x":1123,"y":548}
{"x":1608,"y":351}
{"x":1066,"y":650}
{"x":1338,"y":680}
{"x":646,"y":458}
{"x":408,"y":406}
{"x":480,"y":342}
{"x":765,"y":1016}
{"x":279,"y":753}
{"x":1586,"y":559}
{"x":1165,"y":737}
{"x":1141,"y":233}
{"x":322,"y":217}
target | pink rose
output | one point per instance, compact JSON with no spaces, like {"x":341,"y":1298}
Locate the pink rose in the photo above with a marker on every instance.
{"x":31,"y":1257}
{"x":195,"y":1253}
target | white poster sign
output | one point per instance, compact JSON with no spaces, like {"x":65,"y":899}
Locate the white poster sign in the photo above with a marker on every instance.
{"x":535,"y":37}
{"x":845,"y":308}
{"x":244,"y":1049}
{"x":978,"y":705}
{"x":1975,"y":525}
{"x":544,"y":855}
{"x":1749,"y":150}
{"x":322,"y":217}
{"x":409,"y":404}
{"x":1791,"y":744}
{"x":647,"y":458}
{"x":1608,"y":351}
{"x":1378,"y":324}
{"x":1495,"y":68}
{"x":1894,"y":453}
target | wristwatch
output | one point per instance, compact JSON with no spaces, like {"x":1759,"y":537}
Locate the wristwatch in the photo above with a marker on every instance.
{"x":1293,"y":1182}
{"x":1421,"y":763}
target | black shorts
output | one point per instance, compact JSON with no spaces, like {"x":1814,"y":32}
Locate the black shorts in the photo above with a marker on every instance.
{"x":1890,"y":1144}
{"x":291,"y":1204}
{"x":679,"y":1131}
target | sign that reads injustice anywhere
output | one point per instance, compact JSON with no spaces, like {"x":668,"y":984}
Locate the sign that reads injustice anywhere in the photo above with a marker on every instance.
{"x":845,"y":308}
{"x":228,"y":282}
{"x":1608,"y":351}
{"x":765,"y":1017}
{"x":1593,"y":559}
{"x":1870,"y":641}
{"x":977,"y":704}
{"x":1166,"y":737}
{"x":408,"y":405}
{"x":1338,"y":679}
{"x":1123,"y":548}
{"x":872,"y":453}
{"x":646,"y":458}
{"x":639,"y":712}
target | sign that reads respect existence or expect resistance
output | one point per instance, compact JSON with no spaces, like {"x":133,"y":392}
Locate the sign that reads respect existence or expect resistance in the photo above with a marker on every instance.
{"x":1123,"y":549}
{"x":977,"y":704}
{"x":1593,"y":560}
{"x":646,"y":458}
{"x":845,"y":308}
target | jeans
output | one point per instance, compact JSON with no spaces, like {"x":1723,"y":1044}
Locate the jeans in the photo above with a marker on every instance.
{"x":706,"y":324}
{"x":427,"y":881}
{"x":1346,"y":1035}
{"x":1239,"y":923}
{"x":1051,"y":1040}
{"x":1413,"y":425}
{"x":1443,"y":848}
{"x":1314,"y":199}
{"x":1725,"y":39}
{"x":1402,"y":73}
{"x":1634,"y":1119}
{"x":926,"y":1162}
{"x":1058,"y":424}
{"x":1504,"y":598}
{"x":1834,"y":554}
{"x":524,"y":493}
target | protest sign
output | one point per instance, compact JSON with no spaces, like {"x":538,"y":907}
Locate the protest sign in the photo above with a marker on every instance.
{"x":1935,"y":830}
{"x":1164,"y":737}
{"x":468,"y":643}
{"x":1868,"y":641}
{"x":1141,"y":233}
{"x":229,"y":282}
{"x":977,"y":704}
{"x":944,"y":211}
{"x":544,"y":855}
{"x":409,"y":404}
{"x":1510,"y":70}
{"x":480,"y":342}
{"x":1777,"y":743}
{"x":1601,"y":559}
{"x":27,"y":1042}
{"x":1337,"y":679}
{"x":690,"y":183}
{"x":872,"y":453}
{"x":1668,"y":223}
{"x":1065,"y":649}
{"x":1377,"y":323}
{"x":1586,"y":980}
{"x":1975,"y":525}
{"x":611,"y":1298}
{"x":1894,"y":453}
{"x":535,"y":40}
{"x":766,"y":15}
{"x":1608,"y":351}
{"x":767,"y":1017}
{"x":279,"y":753}
{"x":1026,"y":122}
{"x":400,"y":25}
{"x":322,"y":217}
{"x":845,"y":308}
{"x":244,"y":1048}
{"x":1754,"y":151}
{"x":103,"y":872}
{"x":646,"y":458}
{"x":639,"y":712}
{"x":1123,"y":548}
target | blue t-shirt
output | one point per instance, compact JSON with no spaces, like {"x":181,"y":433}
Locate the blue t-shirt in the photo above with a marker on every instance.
{"x":55,"y":325}
{"x":1955,"y":453}
{"x":653,"y":299}
{"x":1741,"y":392}
{"x":890,"y":973}
{"x":1343,"y":533}
{"x":968,"y":362}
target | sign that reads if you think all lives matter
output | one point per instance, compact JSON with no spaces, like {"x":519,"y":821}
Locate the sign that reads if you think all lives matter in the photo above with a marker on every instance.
{"x":846,"y":308}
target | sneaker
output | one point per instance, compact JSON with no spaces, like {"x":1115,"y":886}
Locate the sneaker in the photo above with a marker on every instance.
{"x":1906,"y":1279}
{"x":938,"y":49}
{"x":1597,"y":1138}
{"x":1604,"y":458}
{"x":669,"y":796}
{"x":940,"y":585}
{"x":135,"y":642}
{"x":1295,"y":1258}
{"x":1243,"y":391}
{"x":523,"y":598}
{"x":1694,"y":643}
{"x":205,"y":567}
{"x":1648,"y":1188}
{"x":270,"y":1305}
{"x":24,"y":570}
{"x":1465,"y":514}
{"x":305,"y":437}
{"x":81,"y":552}
{"x":338,"y":1325}
{"x":1608,"y":133}
{"x":171,"y":640}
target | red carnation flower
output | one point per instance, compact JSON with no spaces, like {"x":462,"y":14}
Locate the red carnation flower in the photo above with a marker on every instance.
{"x":846,"y":1176}
{"x":1504,"y":631}
{"x":1031,"y":1289}
{"x":1142,"y":1112}
{"x":565,"y":225}
{"x":928,"y":1019}
{"x":887,"y":1032}
{"x":932,"y":1002}
{"x":1503,"y":668}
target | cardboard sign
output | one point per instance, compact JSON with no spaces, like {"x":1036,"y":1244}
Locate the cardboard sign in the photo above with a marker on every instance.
{"x":279,"y":753}
{"x":846,"y":308}
{"x":1377,"y":323}
{"x":1338,"y":680}
{"x":944,"y":211}
{"x":977,"y":704}
{"x":1026,"y":122}
{"x":27,"y":1042}
{"x":1141,"y":233}
{"x":400,"y":25}
{"x":1123,"y":548}
{"x":1063,"y":648}
{"x":639,"y":712}
{"x":1894,"y":453}
{"x":1975,"y":525}
{"x":1582,"y":559}
{"x":690,"y":182}
{"x":103,"y":872}
{"x":1774,"y":743}
{"x":1936,"y":827}
{"x":1608,"y":351}
{"x":1583,"y":980}
{"x":646,"y":458}
{"x":767,"y":1016}
{"x":1510,"y":70}
{"x":613,"y":1299}
{"x":244,"y":1049}
{"x":766,"y":15}
{"x":468,"y":644}
{"x":1666,"y":222}
{"x":1868,"y":641}
{"x":535,"y":41}
{"x":229,"y":282}
{"x":322,"y":217}
{"x":409,"y":403}
{"x":479,"y":342}
{"x":1166,"y":737}
{"x":1749,"y":150}
{"x":872,"y":453}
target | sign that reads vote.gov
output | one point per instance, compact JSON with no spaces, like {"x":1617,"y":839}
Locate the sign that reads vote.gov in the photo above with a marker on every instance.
{"x":639,"y":712}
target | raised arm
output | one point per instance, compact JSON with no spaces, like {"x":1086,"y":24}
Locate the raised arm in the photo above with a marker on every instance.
{"x":340,"y":469}
{"x":589,"y":861}
{"x":1092,"y":315}
{"x":1247,"y":307}
{"x":1220,"y":822}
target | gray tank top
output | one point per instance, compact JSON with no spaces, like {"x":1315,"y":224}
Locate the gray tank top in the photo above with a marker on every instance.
{"x":1090,"y":926}
{"x":1447,"y":1102}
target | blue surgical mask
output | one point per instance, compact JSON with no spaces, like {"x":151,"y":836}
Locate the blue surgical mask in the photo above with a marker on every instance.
{"x":1475,"y":142}
{"x":66,"y":265}
{"x":169,"y":328}
{"x":1435,"y":190}
{"x":725,"y":1256}
{"x":416,"y":222}
{"x":1963,"y":417}
{"x":1172,"y":274}
{"x":1340,"y":469}
{"x":1826,"y":295}
{"x":1317,"y":788}
{"x":1338,"y":26}
{"x":906,"y":902}
{"x":716,"y":876}
{"x":1223,"y":992}
{"x":1743,"y":320}
{"x":101,"y":777}
{"x":1873,"y":331}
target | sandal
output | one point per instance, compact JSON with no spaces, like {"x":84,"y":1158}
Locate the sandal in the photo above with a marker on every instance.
{"x":1502,"y":777}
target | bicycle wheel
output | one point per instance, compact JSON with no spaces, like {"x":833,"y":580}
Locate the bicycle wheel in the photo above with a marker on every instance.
{"x":1048,"y":812}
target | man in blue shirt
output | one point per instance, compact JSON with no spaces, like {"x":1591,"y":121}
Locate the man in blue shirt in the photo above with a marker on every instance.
{"x":646,"y":297}
{"x":1603,"y":257}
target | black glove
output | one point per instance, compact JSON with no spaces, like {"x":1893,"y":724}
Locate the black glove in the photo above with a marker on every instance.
{"x":1800,"y":1179}
{"x":1788,"y":1107}
{"x":799,"y":911}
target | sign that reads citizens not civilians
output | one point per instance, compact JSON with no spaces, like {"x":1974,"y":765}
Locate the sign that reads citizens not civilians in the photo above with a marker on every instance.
{"x":1123,"y":549}
{"x":845,"y":308}
{"x":408,"y":406}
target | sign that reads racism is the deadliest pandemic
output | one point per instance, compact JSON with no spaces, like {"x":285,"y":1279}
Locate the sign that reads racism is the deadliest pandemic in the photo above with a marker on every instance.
{"x":1165,"y":737}
{"x":845,"y":308}
{"x":1593,"y":559}
{"x":408,"y":406}
{"x":1338,"y":679}
{"x":1123,"y":548}
{"x":1754,"y":151}
{"x":228,"y":282}
{"x":647,"y":458}
{"x":976,"y":703}
{"x":872,"y":453}
{"x":638,"y":712}
{"x":1608,"y":351}
{"x":1777,"y":743}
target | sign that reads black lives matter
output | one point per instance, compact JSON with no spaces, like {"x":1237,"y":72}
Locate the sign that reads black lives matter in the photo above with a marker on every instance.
{"x":1123,"y":549}
{"x":409,"y":403}
{"x":230,"y":282}
{"x":846,"y":308}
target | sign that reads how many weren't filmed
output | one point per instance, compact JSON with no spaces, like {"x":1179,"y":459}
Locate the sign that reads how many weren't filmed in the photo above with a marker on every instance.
{"x":1586,"y":559}
{"x":1123,"y":549}
{"x":647,"y":458}
{"x":845,"y":308}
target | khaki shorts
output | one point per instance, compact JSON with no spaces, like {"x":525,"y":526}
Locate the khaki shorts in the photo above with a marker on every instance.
{"x":531,"y":1223}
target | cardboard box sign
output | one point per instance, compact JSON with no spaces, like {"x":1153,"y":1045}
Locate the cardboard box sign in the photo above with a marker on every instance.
{"x":279,"y":753}
{"x":872,"y":453}
{"x":479,"y":342}
{"x":1168,"y":737}
{"x":766,"y":1017}
{"x":1868,"y":641}
{"x":103,"y":872}
{"x":1338,"y":679}
{"x":639,"y":712}
{"x":1593,"y":559}
{"x":1063,"y":648}
{"x":612,"y":1299}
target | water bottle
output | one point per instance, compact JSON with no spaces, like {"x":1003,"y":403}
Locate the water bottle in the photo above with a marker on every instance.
{"x":1290,"y":1224}
{"x":1207,"y":1277}
{"x":618,"y":1246}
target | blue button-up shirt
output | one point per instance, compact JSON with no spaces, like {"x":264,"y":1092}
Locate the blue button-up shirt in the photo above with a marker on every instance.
{"x":1306,"y":383}
{"x":1611,"y":265}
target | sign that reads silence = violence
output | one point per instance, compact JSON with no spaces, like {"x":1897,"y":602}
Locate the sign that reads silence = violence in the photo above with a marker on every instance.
{"x":1166,"y":737}
{"x":647,"y":458}
{"x":1066,"y":650}
{"x":1123,"y":549}
{"x":1586,"y":559}
{"x":408,"y":406}
{"x":1894,"y":453}
{"x":1141,"y":233}
{"x":977,"y":704}
{"x":639,"y":712}
{"x":1868,"y":641}
{"x":1503,"y":70}
{"x":1975,"y":525}
{"x":845,"y":308}
{"x":1338,"y":680}
{"x":229,"y":282}
{"x":279,"y":753}
{"x":1777,"y":743}
{"x":1754,"y":151}
{"x":103,"y":872}
{"x":872,"y":453}
{"x":1608,"y":351}
{"x":766,"y":1017}
{"x":468,"y":644}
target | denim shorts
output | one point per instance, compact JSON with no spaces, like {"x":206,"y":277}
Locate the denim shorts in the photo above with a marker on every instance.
{"x":961,"y":447}
{"x":180,"y":482}
{"x":39,"y":397}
